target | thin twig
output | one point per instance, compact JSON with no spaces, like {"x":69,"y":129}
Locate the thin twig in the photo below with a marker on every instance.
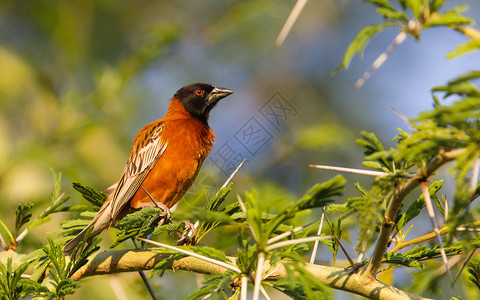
{"x":258,"y":275}
{"x":431,"y":214}
{"x":193,"y":254}
{"x":144,"y":277}
{"x":147,"y":284}
{"x":297,"y":9}
{"x":297,"y":241}
{"x":350,"y":170}
{"x":350,"y":259}
{"x":315,"y":246}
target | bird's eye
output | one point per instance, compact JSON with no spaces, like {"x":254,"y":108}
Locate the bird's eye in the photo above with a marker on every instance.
{"x":199,"y":92}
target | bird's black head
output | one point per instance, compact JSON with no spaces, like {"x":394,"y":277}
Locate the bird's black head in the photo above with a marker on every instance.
{"x":199,"y":98}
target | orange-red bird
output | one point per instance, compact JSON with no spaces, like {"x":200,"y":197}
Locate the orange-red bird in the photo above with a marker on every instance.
{"x":165,"y":158}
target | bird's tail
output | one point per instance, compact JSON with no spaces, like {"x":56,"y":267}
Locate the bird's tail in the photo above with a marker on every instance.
{"x":99,"y":223}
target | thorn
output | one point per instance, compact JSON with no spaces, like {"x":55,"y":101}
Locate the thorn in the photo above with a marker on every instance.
{"x":315,"y":246}
{"x":258,"y":275}
{"x":431,"y":215}
{"x":233,"y":174}
{"x":297,"y":9}
{"x":350,"y":170}
{"x":402,"y":116}
{"x":474,"y":179}
{"x":380,"y":60}
{"x":193,"y":254}
{"x":243,"y":288}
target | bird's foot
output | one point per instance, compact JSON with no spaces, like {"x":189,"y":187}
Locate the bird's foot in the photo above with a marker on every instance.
{"x":165,"y":216}
{"x":188,"y":235}
{"x":354,"y":269}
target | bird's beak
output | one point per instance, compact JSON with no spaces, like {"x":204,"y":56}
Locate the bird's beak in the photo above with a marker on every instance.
{"x":218,"y":94}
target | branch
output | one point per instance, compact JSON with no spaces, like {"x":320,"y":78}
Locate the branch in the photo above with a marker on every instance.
{"x":420,"y":239}
{"x":428,"y":236}
{"x":469,"y":31}
{"x":116,"y":261}
{"x":394,"y":205}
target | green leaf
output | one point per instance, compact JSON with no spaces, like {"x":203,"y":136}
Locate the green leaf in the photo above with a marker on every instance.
{"x":374,"y":165}
{"x":370,"y":142}
{"x":448,"y":18}
{"x":212,"y":215}
{"x":381,"y":3}
{"x":417,"y":206}
{"x":474,"y":270}
{"x":216,"y":286}
{"x":38,"y":222}
{"x":334,"y":208}
{"x":13,"y":286}
{"x":90,"y":194}
{"x":321,"y":194}
{"x":435,"y":5}
{"x":23,"y":215}
{"x":57,"y":181}
{"x":463,"y":88}
{"x":415,"y":6}
{"x":217,"y":200}
{"x":359,"y":43}
{"x":401,"y":259}
{"x":467,"y":76}
{"x":140,"y":223}
{"x":464,"y":48}
{"x":389,"y":13}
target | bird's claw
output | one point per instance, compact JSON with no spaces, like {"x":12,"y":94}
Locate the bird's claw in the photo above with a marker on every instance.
{"x":165,"y":216}
{"x":188,"y":235}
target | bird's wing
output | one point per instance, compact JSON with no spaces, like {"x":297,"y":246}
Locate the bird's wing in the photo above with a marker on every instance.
{"x":146,"y":150}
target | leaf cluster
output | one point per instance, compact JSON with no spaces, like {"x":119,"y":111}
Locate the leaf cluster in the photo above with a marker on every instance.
{"x":411,"y":18}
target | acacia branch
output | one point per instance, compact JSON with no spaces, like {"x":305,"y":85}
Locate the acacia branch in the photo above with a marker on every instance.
{"x":116,"y":261}
{"x":394,"y":205}
{"x":420,"y":239}
{"x":428,"y":236}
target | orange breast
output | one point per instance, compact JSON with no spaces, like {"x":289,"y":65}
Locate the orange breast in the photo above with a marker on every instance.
{"x":188,"y":144}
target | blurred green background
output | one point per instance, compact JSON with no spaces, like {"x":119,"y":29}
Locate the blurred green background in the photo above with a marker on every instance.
{"x":78,"y":79}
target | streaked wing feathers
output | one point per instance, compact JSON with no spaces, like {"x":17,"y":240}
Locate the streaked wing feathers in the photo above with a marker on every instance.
{"x":139,"y":165}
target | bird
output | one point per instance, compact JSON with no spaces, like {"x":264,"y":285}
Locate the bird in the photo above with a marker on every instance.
{"x":164,"y":160}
